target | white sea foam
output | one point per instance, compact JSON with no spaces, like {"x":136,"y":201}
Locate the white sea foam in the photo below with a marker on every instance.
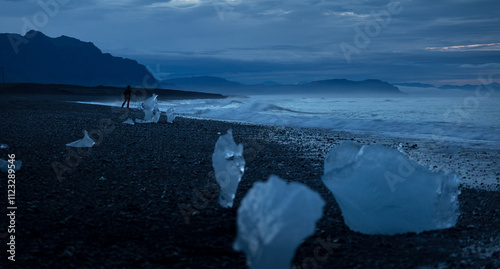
{"x":455,"y":120}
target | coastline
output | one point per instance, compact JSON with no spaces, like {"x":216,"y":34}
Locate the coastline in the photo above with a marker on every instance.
{"x":152,"y":171}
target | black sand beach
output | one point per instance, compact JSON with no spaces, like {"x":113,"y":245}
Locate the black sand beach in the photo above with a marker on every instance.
{"x":145,"y":195}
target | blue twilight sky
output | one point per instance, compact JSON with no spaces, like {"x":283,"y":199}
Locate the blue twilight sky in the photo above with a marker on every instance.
{"x":287,"y":41}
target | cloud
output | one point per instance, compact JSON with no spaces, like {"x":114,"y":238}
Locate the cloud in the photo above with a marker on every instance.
{"x":481,"y":66}
{"x":471,"y":47}
{"x":275,"y":12}
{"x":176,"y":4}
{"x":427,"y":40}
{"x":346,"y":14}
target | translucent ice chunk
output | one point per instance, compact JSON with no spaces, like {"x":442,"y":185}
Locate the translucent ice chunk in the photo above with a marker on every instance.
{"x":4,"y":165}
{"x":151,"y":111}
{"x":129,"y":121}
{"x":85,"y":142}
{"x":229,"y":166}
{"x":170,"y":115}
{"x":4,"y":146}
{"x":273,"y":219}
{"x":380,"y":191}
{"x":150,"y":103}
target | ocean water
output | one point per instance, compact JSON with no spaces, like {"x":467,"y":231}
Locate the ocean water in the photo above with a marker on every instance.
{"x":465,"y":120}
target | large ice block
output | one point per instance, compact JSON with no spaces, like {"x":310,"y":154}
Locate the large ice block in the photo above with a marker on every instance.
{"x":85,"y":142}
{"x":151,"y":111}
{"x":273,"y":219}
{"x":380,"y":191}
{"x":229,"y":166}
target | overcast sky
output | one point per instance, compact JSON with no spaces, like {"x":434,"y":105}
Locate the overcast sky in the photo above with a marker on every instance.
{"x":287,"y":41}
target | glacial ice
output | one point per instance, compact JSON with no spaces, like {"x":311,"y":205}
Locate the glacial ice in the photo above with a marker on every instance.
{"x":229,"y":166}
{"x":151,"y":111}
{"x":4,"y":146}
{"x":85,"y":142}
{"x":129,"y":121}
{"x":170,"y":115}
{"x":4,"y":165}
{"x":273,"y":219}
{"x":380,"y":191}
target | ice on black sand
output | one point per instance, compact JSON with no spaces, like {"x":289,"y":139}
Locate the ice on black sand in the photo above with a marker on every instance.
{"x":170,"y":115}
{"x":151,"y":111}
{"x":229,"y":166}
{"x":273,"y":219}
{"x":85,"y":142}
{"x":129,"y":121}
{"x":380,"y":191}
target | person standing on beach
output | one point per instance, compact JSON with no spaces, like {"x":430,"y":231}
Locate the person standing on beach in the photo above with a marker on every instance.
{"x":127,"y":94}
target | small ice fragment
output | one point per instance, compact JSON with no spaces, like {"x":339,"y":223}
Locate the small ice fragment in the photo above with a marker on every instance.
{"x":85,"y":142}
{"x":380,"y":191}
{"x":151,"y":112}
{"x":129,"y":121}
{"x":102,"y":178}
{"x":4,"y":165}
{"x":229,"y":166}
{"x":4,"y":146}
{"x":273,"y":220}
{"x":400,"y":148}
{"x":170,"y":115}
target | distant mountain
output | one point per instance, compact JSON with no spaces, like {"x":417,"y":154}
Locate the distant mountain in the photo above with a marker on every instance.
{"x":269,"y":83}
{"x":332,"y":86}
{"x":201,"y":82}
{"x":416,"y":85}
{"x":345,"y":86}
{"x":467,"y":87}
{"x":37,"y":58}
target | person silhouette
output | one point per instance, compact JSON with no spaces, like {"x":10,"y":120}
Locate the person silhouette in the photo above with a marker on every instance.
{"x":127,"y":93}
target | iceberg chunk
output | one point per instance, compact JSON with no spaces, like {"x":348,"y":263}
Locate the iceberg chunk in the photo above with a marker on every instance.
{"x":380,"y":191}
{"x":151,"y":111}
{"x":229,"y":166}
{"x":170,"y":115}
{"x":129,"y":121}
{"x":85,"y":142}
{"x":4,"y":165}
{"x":4,"y":146}
{"x":273,"y":219}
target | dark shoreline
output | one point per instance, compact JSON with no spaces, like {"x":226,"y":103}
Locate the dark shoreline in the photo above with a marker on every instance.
{"x":133,"y":218}
{"x":87,"y":93}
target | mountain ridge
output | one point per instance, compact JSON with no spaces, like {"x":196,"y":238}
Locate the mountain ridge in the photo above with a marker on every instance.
{"x":466,"y":87}
{"x":37,"y":58}
{"x":329,"y":86}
